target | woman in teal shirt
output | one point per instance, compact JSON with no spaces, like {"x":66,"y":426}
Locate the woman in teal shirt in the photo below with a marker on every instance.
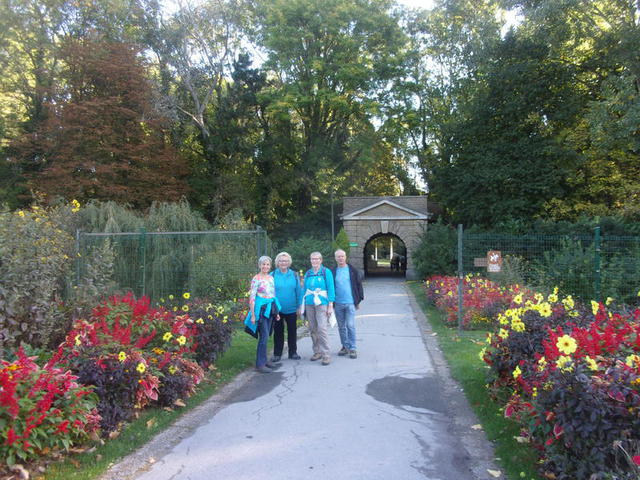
{"x":319,"y":295}
{"x":289,"y":294}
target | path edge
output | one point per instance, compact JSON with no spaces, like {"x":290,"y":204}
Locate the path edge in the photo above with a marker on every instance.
{"x":462,"y":416}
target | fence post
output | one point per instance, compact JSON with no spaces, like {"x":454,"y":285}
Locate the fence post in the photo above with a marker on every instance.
{"x":78,"y":233}
{"x":596,"y":264}
{"x":259,"y":247}
{"x":460,"y":278}
{"x":143,"y":256}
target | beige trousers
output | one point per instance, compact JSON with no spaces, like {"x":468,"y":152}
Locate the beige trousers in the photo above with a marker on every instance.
{"x":318,"y":326}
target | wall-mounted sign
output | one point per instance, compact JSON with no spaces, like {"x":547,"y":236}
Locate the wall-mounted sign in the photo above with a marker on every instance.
{"x":353,"y":244}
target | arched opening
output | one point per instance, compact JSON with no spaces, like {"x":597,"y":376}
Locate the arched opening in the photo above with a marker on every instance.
{"x":385,"y":254}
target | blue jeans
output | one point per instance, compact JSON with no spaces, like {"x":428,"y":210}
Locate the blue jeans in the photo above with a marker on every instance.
{"x":264,"y":327}
{"x":346,"y":316}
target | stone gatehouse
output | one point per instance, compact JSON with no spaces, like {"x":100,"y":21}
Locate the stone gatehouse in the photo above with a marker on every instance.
{"x":367,"y":218}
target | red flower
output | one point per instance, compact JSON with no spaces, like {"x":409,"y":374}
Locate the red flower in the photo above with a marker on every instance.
{"x":11,"y":437}
{"x":636,"y":459}
{"x":63,"y":427}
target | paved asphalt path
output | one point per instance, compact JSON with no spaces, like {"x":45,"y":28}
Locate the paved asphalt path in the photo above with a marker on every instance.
{"x":392,"y":413}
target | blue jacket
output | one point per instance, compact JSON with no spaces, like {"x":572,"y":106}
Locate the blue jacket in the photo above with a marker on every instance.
{"x":322,"y":280}
{"x":288,"y":290}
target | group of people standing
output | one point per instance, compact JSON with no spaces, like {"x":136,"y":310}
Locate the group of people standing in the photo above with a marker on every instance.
{"x":278,"y":297}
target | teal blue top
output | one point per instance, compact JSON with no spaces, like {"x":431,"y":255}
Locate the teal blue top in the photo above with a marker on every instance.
{"x":288,"y":290}
{"x":343,"y":285}
{"x":322,"y":284}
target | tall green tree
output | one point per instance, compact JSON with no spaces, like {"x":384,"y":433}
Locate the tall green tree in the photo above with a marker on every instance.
{"x":330,"y":57}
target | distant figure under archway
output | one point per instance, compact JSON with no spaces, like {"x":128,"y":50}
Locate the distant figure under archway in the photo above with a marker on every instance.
{"x":385,"y":254}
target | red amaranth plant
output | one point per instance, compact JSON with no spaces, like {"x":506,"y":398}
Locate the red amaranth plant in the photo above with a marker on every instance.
{"x":42,"y":409}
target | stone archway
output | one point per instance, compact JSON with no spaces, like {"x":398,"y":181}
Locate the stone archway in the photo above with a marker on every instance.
{"x":366,"y":217}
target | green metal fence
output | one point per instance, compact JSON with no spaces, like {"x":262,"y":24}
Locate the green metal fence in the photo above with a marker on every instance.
{"x":589,"y":267}
{"x":158,"y":264}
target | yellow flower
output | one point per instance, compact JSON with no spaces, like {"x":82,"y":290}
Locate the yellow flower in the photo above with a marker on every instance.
{"x":172,"y":369}
{"x":517,"y":299}
{"x":75,"y":205}
{"x":608,"y":301}
{"x":21,"y":213}
{"x":545,"y":310}
{"x":539,"y":297}
{"x":542,"y":364}
{"x":595,"y":306}
{"x":566,"y":344}
{"x":517,"y":325}
{"x":167,"y":336}
{"x":517,"y":372}
{"x":122,"y":356}
{"x":78,"y":342}
{"x":186,"y":295}
{"x":503,"y":334}
{"x":633,"y":360}
{"x":170,"y":297}
{"x":141,"y":367}
{"x":553,"y":298}
{"x":175,"y":309}
{"x":185,"y":308}
{"x":591,"y":363}
{"x":568,"y":302}
{"x":489,"y":338}
{"x":162,"y":300}
{"x":482,"y":352}
{"x":534,"y":392}
{"x":503,"y":319}
{"x":181,"y":339}
{"x":555,"y":290}
{"x":200,"y":320}
{"x":564,"y":363}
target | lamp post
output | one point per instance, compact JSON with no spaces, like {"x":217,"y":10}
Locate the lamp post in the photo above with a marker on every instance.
{"x":333,"y":228}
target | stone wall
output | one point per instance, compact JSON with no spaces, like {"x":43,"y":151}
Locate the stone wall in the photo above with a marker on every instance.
{"x":360,"y":229}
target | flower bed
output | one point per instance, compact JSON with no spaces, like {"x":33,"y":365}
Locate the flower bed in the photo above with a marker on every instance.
{"x":571,"y":374}
{"x":124,"y":356}
{"x":483,"y":299}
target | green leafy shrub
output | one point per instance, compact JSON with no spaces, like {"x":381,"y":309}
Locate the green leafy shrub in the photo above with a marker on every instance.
{"x":36,"y":253}
{"x":301,"y":248}
{"x":436,"y":252}
{"x":342,"y":242}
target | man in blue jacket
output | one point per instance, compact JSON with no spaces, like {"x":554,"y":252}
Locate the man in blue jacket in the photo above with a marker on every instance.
{"x":349,"y":294}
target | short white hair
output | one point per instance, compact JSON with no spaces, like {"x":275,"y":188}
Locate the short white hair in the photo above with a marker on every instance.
{"x":315,"y":254}
{"x":340,"y":250}
{"x":282,"y":255}
{"x":264,"y":259}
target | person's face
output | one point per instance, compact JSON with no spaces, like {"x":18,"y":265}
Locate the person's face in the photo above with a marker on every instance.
{"x":284,"y":263}
{"x":341,"y":259}
{"x":265,"y":266}
{"x":316,"y":261}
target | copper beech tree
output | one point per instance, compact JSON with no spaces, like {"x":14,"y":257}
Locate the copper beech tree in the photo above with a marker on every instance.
{"x":103,"y":138}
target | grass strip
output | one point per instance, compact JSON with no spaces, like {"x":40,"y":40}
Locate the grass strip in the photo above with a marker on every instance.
{"x":152,"y":421}
{"x":518,"y":461}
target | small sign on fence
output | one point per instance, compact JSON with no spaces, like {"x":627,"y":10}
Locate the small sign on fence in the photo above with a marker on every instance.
{"x":494,"y":261}
{"x":480,"y":262}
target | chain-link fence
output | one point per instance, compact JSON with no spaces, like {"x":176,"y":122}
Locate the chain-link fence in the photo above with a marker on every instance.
{"x":587,"y":266}
{"x":157,"y":264}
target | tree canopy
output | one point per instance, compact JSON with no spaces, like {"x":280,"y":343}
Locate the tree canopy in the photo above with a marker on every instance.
{"x":274,"y":107}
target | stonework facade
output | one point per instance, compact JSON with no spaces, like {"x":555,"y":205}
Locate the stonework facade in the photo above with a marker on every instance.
{"x":367,"y":217}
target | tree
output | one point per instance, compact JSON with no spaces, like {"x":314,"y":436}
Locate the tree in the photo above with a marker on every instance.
{"x":329,"y":58}
{"x":102,"y":138}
